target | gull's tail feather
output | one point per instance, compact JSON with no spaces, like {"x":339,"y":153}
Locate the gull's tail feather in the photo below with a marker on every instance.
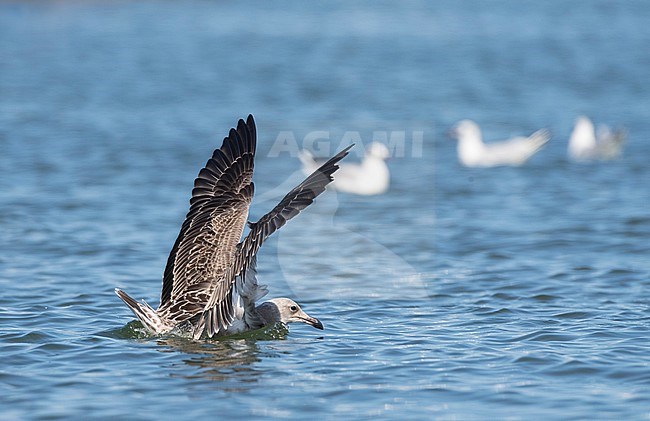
{"x":147,"y":315}
{"x":540,"y":138}
{"x":537,"y":140}
{"x":618,"y":140}
{"x":610,"y":143}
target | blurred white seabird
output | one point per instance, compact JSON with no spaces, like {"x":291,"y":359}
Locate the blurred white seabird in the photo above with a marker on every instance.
{"x":369,"y":177}
{"x":472,"y":152}
{"x":585,"y":145}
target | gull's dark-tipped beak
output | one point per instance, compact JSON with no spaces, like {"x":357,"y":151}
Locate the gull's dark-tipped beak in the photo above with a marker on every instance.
{"x":312,"y":321}
{"x":318,"y":324}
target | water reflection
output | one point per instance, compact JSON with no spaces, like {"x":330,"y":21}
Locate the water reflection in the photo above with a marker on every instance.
{"x":217,"y":361}
{"x":228,"y":361}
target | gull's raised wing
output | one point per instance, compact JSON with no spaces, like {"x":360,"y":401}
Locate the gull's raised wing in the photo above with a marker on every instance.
{"x":218,"y":311}
{"x":207,"y":243}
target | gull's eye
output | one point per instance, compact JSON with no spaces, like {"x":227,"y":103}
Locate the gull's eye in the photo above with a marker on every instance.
{"x":293,"y":308}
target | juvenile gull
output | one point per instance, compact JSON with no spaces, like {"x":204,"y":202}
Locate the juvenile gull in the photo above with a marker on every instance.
{"x":585,"y":145}
{"x":472,"y":152}
{"x":210,"y":284}
{"x":370,"y":177}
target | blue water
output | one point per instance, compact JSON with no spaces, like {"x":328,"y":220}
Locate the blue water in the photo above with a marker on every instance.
{"x":508,"y":293}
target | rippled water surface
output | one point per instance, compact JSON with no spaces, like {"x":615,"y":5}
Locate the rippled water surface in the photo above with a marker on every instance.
{"x":510,"y":293}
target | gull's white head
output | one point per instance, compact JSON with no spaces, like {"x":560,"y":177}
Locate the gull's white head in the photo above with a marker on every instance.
{"x":471,"y":149}
{"x":377,"y":150}
{"x":466,"y":130}
{"x":583,"y":137}
{"x":583,"y":125}
{"x":286,"y":311}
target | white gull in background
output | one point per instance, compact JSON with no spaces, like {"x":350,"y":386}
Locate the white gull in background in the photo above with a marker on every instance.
{"x":210,"y":283}
{"x":472,"y":152}
{"x":369,"y":177}
{"x":585,"y":145}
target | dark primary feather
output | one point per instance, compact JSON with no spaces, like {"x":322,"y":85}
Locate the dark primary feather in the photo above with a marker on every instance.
{"x":221,"y":195}
{"x":218,"y":313}
{"x":291,"y":204}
